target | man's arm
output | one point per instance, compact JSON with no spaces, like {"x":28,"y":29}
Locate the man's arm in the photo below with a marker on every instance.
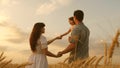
{"x":69,"y":48}
{"x":48,"y":53}
{"x":73,"y":42}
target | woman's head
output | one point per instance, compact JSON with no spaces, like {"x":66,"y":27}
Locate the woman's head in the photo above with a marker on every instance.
{"x":71,"y":21}
{"x":37,"y":30}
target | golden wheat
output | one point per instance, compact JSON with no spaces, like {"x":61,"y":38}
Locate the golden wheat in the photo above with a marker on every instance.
{"x":105,"y":52}
{"x":1,"y":59}
{"x":93,"y":61}
{"x":111,"y":48}
{"x":24,"y":64}
{"x":97,"y":62}
{"x":88,"y":61}
{"x":1,"y":54}
{"x":5,"y":63}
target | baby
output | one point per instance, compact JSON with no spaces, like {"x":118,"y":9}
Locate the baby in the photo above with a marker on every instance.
{"x":72,"y":23}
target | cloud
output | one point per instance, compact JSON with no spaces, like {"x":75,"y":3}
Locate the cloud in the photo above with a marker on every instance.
{"x":49,"y":7}
{"x":18,"y":36}
{"x":11,"y":33}
{"x":46,"y":8}
{"x":64,"y":2}
{"x":8,"y":2}
{"x":2,"y":23}
{"x":4,"y":2}
{"x":3,"y":17}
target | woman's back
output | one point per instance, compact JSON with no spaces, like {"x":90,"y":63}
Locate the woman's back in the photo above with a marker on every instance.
{"x":41,"y":44}
{"x":39,"y":59}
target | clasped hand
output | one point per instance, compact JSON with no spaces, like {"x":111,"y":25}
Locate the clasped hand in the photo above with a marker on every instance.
{"x":59,"y":54}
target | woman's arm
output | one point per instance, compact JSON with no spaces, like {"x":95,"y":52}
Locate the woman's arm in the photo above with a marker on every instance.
{"x":48,"y":53}
{"x":50,"y":41}
{"x":66,"y":33}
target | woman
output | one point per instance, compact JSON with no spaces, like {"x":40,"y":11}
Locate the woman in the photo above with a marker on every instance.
{"x":38,"y":44}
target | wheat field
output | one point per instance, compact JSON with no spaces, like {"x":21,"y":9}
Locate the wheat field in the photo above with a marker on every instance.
{"x":103,"y":61}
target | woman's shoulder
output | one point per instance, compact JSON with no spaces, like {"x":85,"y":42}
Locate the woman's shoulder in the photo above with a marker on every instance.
{"x":42,"y":37}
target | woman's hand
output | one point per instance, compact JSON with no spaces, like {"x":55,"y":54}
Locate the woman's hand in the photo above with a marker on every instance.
{"x":59,"y":54}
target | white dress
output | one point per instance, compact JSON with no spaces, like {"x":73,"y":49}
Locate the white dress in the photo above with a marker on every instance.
{"x":38,"y":59}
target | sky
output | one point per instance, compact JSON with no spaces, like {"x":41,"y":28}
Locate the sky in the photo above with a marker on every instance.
{"x":17,"y":18}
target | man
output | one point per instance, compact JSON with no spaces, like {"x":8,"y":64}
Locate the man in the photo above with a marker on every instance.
{"x":79,"y":40}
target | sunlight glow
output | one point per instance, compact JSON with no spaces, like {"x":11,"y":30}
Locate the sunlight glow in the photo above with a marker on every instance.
{"x":3,"y":18}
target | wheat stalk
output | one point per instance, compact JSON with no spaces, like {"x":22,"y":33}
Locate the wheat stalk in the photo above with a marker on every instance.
{"x":116,"y":38}
{"x":111,"y":48}
{"x":68,"y":58}
{"x":6,"y":63}
{"x":1,"y":54}
{"x":92,"y":61}
{"x":1,"y":59}
{"x":105,"y":52}
{"x":79,"y":62}
{"x":97,"y":62}
{"x":63,"y":65}
{"x":88,"y":61}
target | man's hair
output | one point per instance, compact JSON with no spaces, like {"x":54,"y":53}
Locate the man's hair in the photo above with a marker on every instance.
{"x":79,"y":15}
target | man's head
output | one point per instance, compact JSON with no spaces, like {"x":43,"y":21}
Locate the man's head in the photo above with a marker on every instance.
{"x":78,"y":15}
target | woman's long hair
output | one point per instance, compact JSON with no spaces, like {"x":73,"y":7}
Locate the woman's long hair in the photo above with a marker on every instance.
{"x":35,"y":35}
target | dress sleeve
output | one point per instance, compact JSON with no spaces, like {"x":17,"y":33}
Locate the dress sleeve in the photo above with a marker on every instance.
{"x":43,"y":41}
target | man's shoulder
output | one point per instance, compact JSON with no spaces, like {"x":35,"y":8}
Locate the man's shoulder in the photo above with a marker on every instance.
{"x":78,"y":27}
